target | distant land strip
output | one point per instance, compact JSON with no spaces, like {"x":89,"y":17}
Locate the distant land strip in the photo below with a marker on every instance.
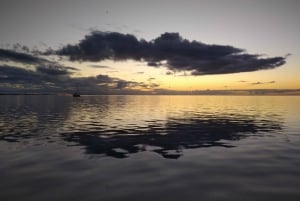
{"x":249,"y":92}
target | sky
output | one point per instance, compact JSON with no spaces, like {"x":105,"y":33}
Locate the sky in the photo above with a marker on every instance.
{"x":148,"y":46}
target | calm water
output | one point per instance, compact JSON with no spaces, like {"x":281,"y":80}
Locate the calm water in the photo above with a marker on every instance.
{"x":150,"y":148}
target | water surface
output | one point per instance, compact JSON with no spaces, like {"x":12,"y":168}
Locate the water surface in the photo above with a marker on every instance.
{"x":150,"y":148}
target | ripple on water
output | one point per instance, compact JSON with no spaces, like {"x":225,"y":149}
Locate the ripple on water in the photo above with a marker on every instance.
{"x":124,"y":147}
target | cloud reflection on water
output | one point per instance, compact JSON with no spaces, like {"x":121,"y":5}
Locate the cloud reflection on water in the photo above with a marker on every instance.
{"x":117,"y":127}
{"x":174,"y":136}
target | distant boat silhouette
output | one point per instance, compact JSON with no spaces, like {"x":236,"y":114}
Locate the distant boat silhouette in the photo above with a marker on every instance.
{"x":76,"y":93}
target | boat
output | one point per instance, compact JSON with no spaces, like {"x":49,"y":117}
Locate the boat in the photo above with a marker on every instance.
{"x":76,"y":93}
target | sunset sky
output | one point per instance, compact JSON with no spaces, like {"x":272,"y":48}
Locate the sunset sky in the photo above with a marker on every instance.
{"x":153,"y":45}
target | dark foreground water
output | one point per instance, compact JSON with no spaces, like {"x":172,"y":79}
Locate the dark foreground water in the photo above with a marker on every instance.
{"x":150,"y":148}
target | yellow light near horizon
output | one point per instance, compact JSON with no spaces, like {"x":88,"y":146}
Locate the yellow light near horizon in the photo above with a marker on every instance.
{"x":284,"y":77}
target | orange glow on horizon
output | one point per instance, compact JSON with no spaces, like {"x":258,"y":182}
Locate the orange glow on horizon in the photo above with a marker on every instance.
{"x":285,"y":77}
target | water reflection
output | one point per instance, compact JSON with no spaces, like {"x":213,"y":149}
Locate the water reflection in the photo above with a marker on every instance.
{"x":118,"y":126}
{"x":170,"y":139}
{"x":31,"y":117}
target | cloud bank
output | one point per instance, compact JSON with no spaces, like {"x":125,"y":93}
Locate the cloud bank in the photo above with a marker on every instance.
{"x":258,"y":83}
{"x":40,"y":71}
{"x":56,"y":80}
{"x":169,"y":50}
{"x":11,"y":55}
{"x":49,"y":76}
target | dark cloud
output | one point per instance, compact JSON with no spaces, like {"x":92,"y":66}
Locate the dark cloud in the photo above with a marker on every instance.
{"x":12,"y":55}
{"x":53,"y":78}
{"x":42,"y":65}
{"x":52,"y":70}
{"x":99,"y":46}
{"x":170,"y":50}
{"x":14,"y":75}
{"x":151,"y":79}
{"x":154,"y":64}
{"x":122,"y":84}
{"x":99,"y":66}
{"x":43,"y":74}
{"x":104,"y":79}
{"x":154,"y":85}
{"x":148,"y":86}
{"x":40,"y":78}
{"x":257,"y":83}
{"x":71,"y":68}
